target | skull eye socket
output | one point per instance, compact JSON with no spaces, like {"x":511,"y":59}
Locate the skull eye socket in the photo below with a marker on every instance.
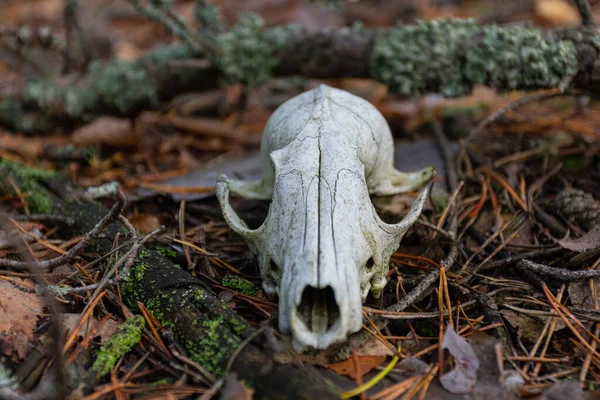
{"x":274,"y":267}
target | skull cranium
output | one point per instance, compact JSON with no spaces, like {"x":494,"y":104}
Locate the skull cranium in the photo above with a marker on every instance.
{"x":323,"y":247}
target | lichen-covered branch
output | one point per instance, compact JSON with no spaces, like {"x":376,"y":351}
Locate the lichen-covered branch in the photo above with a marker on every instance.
{"x":447,"y":56}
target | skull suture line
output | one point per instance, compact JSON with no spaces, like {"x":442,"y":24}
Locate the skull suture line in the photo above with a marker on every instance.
{"x":322,"y":246}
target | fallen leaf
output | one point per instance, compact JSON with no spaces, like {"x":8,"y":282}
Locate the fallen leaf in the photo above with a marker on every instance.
{"x":589,"y":241}
{"x":563,"y":390}
{"x":462,"y":379}
{"x":557,"y":12}
{"x":70,"y":321}
{"x":529,"y":328}
{"x":144,"y":222}
{"x":247,"y":167}
{"x":233,"y":389}
{"x":19,"y":312}
{"x":409,"y":156}
{"x":412,"y":364}
{"x":112,"y":131}
{"x":512,"y":381}
{"x":367,"y":363}
{"x":398,"y":204}
{"x":412,"y":346}
{"x":580,"y":294}
{"x":374,"y":348}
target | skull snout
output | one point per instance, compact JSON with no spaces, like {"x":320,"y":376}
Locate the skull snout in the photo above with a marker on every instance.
{"x":321,"y":316}
{"x":319,"y":310}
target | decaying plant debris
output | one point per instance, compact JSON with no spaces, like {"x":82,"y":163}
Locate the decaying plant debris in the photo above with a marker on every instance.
{"x":114,"y":289}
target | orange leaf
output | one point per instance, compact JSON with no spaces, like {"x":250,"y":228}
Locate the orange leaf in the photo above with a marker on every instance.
{"x":367,"y":363}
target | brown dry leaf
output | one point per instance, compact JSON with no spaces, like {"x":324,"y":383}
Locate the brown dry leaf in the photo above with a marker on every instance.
{"x":580,"y":294}
{"x":374,"y":348}
{"x":563,"y":390}
{"x":29,"y":12}
{"x":528,"y":328}
{"x":19,"y":312}
{"x":412,"y":346}
{"x":108,"y":328}
{"x":589,"y":241}
{"x":412,"y":364}
{"x":112,"y":131}
{"x":398,"y":204}
{"x":557,"y":12}
{"x":462,"y":379}
{"x":233,"y":389}
{"x":144,"y":222}
{"x":126,"y":50}
{"x":367,"y":363}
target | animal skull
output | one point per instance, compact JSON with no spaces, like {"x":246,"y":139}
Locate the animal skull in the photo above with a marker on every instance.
{"x":323,"y":247}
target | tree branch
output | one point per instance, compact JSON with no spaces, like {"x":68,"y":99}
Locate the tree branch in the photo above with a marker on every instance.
{"x":447,"y":56}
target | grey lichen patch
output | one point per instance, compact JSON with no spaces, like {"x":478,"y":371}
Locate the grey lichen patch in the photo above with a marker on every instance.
{"x":596,"y":42}
{"x":518,"y":57}
{"x":28,"y":179}
{"x":246,"y":53}
{"x":120,"y":343}
{"x":420,"y":58}
{"x":209,"y":18}
{"x":123,"y":84}
{"x":239,"y":284}
{"x":60,"y":101}
{"x":13,"y":113}
{"x":450,"y":55}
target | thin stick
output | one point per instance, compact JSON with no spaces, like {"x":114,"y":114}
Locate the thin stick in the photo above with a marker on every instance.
{"x":78,"y":249}
{"x":587,"y":16}
{"x":558,"y":273}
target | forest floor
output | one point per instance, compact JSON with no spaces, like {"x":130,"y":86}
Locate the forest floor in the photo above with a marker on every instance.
{"x":506,"y":253}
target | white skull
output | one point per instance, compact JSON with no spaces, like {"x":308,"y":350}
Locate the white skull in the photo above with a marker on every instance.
{"x":323,"y":247}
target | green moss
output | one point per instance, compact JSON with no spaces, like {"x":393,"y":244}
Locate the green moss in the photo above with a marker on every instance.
{"x":218,"y":337}
{"x":130,"y":283}
{"x":451,"y":55}
{"x":161,"y":382}
{"x":576,"y":162}
{"x":214,"y":349}
{"x":239,"y":284}
{"x":163,"y":251}
{"x":124,"y":339}
{"x":28,"y":179}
